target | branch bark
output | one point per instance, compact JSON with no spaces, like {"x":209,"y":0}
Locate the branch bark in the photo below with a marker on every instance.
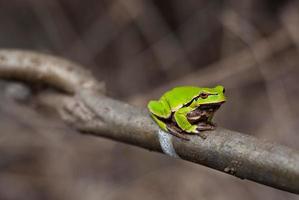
{"x":92,"y":112}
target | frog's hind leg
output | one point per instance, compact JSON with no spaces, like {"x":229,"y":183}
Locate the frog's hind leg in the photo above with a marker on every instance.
{"x":170,"y":128}
{"x":161,"y":112}
{"x":174,"y":130}
{"x":160,"y":123}
{"x":160,"y":108}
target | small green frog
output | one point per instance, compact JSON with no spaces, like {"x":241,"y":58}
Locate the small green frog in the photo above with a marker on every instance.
{"x":187,"y":109}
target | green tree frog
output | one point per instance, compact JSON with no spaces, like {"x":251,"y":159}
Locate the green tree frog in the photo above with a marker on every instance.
{"x":187,"y":109}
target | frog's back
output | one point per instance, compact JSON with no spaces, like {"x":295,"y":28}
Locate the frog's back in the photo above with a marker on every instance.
{"x":179,"y":96}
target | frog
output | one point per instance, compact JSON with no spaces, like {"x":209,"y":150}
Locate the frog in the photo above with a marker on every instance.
{"x":186,"y":110}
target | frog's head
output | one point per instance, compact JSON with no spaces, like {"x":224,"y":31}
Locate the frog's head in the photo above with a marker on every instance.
{"x":208,"y":102}
{"x":211,"y":96}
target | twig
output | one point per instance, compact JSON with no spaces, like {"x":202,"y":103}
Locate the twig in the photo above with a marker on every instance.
{"x":53,"y":24}
{"x":226,"y":68}
{"x":166,"y":46}
{"x":87,"y":110}
{"x":290,"y":21}
{"x":41,"y":68}
{"x":274,"y":86}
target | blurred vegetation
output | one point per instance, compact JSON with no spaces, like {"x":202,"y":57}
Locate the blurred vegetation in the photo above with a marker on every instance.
{"x":140,"y":48}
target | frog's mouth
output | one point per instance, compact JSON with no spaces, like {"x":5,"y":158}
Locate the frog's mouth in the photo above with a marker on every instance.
{"x":203,"y":113}
{"x":210,"y":106}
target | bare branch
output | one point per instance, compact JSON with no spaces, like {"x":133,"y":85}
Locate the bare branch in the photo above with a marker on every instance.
{"x":168,"y":50}
{"x":238,"y":154}
{"x":57,"y":72}
{"x":227,"y":67}
{"x":290,"y":21}
{"x":274,"y":86}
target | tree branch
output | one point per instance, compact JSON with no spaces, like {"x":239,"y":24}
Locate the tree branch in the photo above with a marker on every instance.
{"x":91,"y":112}
{"x":41,"y":68}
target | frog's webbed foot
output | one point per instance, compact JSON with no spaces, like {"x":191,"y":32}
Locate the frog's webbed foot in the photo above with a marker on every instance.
{"x":175,"y":131}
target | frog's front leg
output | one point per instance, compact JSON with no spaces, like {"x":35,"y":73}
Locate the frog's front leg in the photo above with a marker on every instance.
{"x":182,"y":121}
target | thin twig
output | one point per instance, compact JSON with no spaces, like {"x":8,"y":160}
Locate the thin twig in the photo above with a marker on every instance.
{"x":226,"y":68}
{"x":89,"y":111}
{"x":290,"y":21}
{"x":166,"y":47}
{"x":284,"y":124}
{"x":41,"y":68}
{"x":53,"y":24}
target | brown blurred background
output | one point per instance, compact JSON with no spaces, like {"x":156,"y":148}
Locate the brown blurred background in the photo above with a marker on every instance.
{"x":141,"y":48}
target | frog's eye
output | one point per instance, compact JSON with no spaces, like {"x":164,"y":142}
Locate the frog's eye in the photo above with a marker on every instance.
{"x":203,"y":95}
{"x":223,"y":90}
